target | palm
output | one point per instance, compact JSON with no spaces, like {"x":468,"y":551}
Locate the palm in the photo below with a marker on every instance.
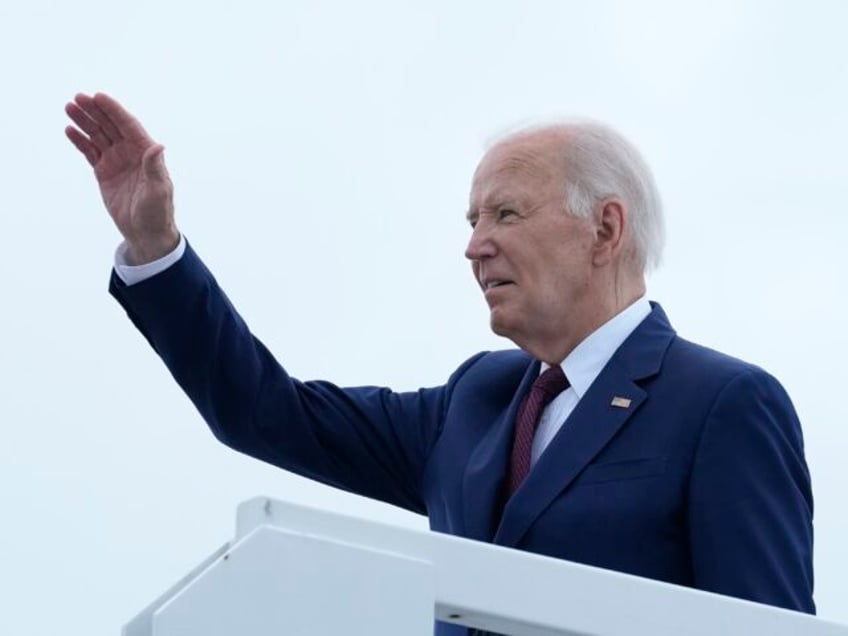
{"x":128,"y":166}
{"x":129,"y":196}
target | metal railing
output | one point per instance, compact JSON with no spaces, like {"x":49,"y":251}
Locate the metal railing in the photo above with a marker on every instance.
{"x":296,"y":570}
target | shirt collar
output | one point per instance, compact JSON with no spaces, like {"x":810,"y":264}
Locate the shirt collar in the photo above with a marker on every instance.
{"x":589,"y":358}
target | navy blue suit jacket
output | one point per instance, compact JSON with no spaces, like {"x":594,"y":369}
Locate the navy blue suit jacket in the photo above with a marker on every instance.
{"x":701,"y":481}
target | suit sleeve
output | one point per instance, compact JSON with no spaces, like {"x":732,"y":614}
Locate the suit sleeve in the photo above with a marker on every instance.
{"x":750,"y":499}
{"x":367,"y":440}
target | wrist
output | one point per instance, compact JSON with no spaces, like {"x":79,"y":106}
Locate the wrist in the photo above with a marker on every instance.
{"x":147,"y":250}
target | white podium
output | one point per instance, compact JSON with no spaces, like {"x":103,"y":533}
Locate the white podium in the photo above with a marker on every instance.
{"x":297,"y":571}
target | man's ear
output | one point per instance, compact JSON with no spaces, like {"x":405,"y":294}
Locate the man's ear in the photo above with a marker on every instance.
{"x":611,"y":218}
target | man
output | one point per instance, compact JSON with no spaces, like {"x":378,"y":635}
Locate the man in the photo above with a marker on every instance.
{"x":605,"y":439}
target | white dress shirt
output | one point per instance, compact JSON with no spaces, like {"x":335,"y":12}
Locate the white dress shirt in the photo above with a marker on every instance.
{"x":581,"y":367}
{"x":132,"y":274}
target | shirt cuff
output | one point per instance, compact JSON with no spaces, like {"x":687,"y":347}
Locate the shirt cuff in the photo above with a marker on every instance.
{"x":132,"y":274}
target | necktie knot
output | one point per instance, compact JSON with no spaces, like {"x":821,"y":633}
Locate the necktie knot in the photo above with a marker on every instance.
{"x":552,"y":381}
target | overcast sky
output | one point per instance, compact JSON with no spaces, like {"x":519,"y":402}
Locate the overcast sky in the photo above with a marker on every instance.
{"x":322,"y":154}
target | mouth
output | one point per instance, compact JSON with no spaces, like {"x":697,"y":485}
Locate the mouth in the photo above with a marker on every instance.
{"x":493,"y":286}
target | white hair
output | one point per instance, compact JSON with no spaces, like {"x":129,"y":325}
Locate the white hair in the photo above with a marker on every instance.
{"x":601,"y":163}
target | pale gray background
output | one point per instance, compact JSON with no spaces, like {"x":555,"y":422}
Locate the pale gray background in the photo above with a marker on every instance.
{"x":322,"y":155}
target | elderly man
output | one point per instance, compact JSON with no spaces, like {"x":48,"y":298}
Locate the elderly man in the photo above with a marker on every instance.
{"x":604,"y":438}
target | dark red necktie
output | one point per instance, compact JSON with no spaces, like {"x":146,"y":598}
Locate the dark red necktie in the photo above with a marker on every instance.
{"x":546,"y":387}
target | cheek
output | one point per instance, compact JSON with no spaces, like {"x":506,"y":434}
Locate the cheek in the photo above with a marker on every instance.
{"x":563,"y":280}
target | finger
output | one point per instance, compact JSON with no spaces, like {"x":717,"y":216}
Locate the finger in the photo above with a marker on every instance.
{"x":80,"y":118}
{"x":83,"y":144}
{"x":153,"y":162}
{"x":88,"y":105}
{"x":125,"y":124}
{"x":88,"y":126}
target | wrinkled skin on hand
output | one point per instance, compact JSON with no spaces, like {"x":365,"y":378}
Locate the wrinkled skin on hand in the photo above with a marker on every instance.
{"x":130,"y":171}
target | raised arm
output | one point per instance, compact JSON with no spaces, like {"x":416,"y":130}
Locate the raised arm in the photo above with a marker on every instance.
{"x":130,"y":171}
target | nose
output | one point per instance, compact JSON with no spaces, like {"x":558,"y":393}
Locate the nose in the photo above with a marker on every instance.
{"x":480,"y":245}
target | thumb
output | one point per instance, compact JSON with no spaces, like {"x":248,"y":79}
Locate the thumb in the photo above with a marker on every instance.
{"x":153,"y":163}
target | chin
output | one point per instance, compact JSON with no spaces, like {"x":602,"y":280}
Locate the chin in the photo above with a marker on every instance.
{"x":501,"y":325}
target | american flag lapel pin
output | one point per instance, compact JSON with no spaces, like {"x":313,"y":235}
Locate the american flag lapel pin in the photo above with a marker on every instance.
{"x":621,"y":402}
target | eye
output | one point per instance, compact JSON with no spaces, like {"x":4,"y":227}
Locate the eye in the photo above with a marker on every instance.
{"x":506,"y":213}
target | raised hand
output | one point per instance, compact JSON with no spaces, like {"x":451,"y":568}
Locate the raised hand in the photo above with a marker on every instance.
{"x":130,"y":171}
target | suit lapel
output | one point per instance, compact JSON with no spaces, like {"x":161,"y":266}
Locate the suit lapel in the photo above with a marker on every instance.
{"x":590,"y":427}
{"x":486,"y":468}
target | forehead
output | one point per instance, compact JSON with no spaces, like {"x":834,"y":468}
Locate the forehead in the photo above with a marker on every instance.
{"x":517,"y":168}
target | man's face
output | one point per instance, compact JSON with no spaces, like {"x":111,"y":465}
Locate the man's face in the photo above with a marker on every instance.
{"x":532,"y":260}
